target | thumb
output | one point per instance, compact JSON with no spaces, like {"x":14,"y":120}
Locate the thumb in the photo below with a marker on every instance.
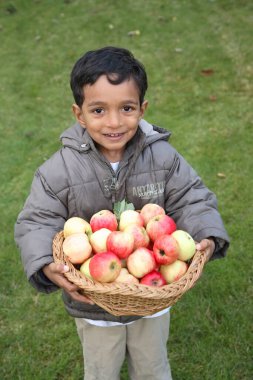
{"x":208,"y":244}
{"x":202,"y":245}
{"x":198,"y":246}
{"x":61,"y":268}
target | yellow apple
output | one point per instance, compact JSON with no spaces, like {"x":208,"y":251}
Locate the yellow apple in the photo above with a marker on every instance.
{"x":84,"y":268}
{"x":185,"y":243}
{"x":76,"y":225}
{"x":77,"y":248}
{"x":173,"y":272}
{"x":127,"y":278}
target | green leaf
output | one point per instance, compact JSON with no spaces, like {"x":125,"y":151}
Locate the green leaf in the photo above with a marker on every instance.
{"x":121,"y":206}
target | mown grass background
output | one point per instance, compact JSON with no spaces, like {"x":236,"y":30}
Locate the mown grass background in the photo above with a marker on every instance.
{"x":198,"y":55}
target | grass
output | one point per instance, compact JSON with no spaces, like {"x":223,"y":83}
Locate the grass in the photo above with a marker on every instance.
{"x":180,"y":42}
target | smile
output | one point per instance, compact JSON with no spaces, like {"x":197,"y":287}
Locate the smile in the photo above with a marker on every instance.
{"x":113,"y":134}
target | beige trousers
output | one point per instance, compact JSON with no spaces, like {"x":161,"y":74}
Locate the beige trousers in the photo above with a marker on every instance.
{"x":143,"y":343}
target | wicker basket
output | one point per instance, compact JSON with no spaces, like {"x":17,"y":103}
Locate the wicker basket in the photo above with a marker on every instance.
{"x":130,"y":299}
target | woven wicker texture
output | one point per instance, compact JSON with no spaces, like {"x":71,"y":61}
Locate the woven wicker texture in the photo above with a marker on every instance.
{"x":130,"y":299}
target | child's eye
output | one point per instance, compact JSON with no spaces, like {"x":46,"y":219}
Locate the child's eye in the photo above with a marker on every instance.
{"x":98,"y":111}
{"x":127,"y":108}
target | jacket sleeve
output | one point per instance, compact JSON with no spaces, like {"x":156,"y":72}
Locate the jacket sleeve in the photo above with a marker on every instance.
{"x":42,"y":217}
{"x":193,"y":206}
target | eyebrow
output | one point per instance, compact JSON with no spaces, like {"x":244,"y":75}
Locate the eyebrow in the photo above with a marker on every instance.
{"x":101,"y":103}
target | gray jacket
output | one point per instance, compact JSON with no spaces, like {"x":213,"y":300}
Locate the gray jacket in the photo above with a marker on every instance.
{"x":78,"y":181}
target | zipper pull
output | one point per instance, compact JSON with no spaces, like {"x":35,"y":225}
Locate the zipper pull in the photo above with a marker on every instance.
{"x":113,"y":188}
{"x":114,"y":184}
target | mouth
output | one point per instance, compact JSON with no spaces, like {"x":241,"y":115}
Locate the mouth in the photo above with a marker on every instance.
{"x":113,"y":135}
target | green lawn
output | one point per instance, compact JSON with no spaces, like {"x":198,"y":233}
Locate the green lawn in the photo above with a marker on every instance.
{"x":198,"y":55}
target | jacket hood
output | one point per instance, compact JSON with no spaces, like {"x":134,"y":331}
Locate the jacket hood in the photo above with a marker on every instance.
{"x":77,"y":137}
{"x":153,"y":132}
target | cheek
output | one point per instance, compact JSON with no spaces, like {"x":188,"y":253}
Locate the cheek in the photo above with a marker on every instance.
{"x":92,"y":125}
{"x":133,"y":122}
{"x":135,"y":125}
{"x":133,"y":129}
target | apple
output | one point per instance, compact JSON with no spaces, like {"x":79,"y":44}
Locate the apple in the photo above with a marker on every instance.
{"x":121,"y":243}
{"x":153,"y":278}
{"x":127,"y":278}
{"x":141,"y":262}
{"x":76,"y":225}
{"x":160,"y":225}
{"x":150,"y":210}
{"x":141,"y":238}
{"x":77,"y":248}
{"x":165,"y":249}
{"x":173,"y":272}
{"x":129,"y":217}
{"x":85,"y":269}
{"x":105,"y":267}
{"x":186,"y":244}
{"x":98,"y":240}
{"x":104,"y":219}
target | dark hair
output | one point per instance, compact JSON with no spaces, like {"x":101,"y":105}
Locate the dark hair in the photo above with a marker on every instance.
{"x":117,"y":64}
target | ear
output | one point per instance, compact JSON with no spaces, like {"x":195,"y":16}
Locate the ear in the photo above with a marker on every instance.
{"x":144,"y":106}
{"x":77,"y":111}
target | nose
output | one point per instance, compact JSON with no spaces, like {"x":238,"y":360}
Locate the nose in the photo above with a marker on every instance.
{"x":113,"y":119}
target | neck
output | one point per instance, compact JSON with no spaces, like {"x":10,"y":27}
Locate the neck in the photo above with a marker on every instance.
{"x":112,"y":156}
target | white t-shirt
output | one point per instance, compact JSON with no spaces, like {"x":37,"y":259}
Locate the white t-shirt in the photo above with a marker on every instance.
{"x":114,"y":165}
{"x":109,"y":323}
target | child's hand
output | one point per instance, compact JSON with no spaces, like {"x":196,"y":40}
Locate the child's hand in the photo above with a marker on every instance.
{"x":207,"y":245}
{"x":54,"y":272}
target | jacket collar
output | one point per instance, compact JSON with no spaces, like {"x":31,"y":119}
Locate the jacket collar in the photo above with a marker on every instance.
{"x":77,"y":137}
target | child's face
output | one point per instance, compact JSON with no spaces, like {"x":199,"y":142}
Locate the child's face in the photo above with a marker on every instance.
{"x":111,"y":114}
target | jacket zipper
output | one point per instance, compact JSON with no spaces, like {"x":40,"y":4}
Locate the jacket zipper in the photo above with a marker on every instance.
{"x":113,"y":186}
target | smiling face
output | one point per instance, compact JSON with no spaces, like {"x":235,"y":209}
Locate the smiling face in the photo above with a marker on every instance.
{"x":111,"y":114}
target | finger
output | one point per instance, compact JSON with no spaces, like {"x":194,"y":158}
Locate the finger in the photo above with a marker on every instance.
{"x":80,"y":298}
{"x":204,"y":244}
{"x":60,"y":268}
{"x":54,"y":268}
{"x":57,"y":271}
{"x":66,"y":284}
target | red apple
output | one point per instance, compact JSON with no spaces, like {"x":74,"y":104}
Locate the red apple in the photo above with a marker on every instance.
{"x":173,"y":272}
{"x":160,"y":225}
{"x":186,"y":245}
{"x":104,"y":219}
{"x":153,"y":278}
{"x":75,"y":225}
{"x":98,"y":240}
{"x":121,"y":243}
{"x":150,"y":210}
{"x":141,"y":238}
{"x":105,"y":267}
{"x":141,"y":262}
{"x":129,"y":217}
{"x":165,"y":249}
{"x":77,"y":248}
{"x":126,"y":277}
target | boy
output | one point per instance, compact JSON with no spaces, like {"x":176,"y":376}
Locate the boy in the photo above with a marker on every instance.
{"x":111,"y":154}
